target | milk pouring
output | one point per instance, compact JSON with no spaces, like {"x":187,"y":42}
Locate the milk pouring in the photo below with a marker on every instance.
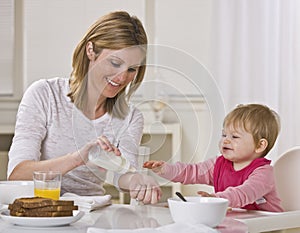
{"x":109,"y":161}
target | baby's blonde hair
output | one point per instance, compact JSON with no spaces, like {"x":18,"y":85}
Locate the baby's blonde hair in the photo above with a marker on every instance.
{"x":256,"y":119}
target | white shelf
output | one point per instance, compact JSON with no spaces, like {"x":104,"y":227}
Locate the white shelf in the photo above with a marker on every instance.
{"x":173,"y":129}
{"x":7,"y":129}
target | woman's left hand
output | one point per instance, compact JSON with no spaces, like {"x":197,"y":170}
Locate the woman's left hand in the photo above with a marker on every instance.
{"x":142,"y":187}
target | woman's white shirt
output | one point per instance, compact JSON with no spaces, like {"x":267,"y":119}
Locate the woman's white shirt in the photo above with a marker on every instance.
{"x":49,"y":125}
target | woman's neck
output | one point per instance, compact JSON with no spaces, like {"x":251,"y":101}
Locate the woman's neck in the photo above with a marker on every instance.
{"x":95,"y":108}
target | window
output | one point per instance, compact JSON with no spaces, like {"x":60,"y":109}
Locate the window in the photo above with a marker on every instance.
{"x":7,"y":34}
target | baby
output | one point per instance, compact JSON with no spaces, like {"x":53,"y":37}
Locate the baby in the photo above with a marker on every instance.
{"x":241,"y":173}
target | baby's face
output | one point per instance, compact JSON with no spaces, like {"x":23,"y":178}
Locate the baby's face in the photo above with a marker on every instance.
{"x":237,"y":145}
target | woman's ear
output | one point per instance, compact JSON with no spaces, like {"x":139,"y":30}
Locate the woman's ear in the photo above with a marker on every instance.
{"x":90,"y":51}
{"x":262,"y":145}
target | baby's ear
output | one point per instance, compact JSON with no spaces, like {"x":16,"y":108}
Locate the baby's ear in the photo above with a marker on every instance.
{"x":261,"y":146}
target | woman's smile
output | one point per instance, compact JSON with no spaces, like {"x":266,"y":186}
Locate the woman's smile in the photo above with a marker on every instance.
{"x":112,"y":82}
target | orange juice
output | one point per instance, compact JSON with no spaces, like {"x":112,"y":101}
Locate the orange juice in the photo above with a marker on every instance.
{"x":47,"y":184}
{"x":47,"y":193}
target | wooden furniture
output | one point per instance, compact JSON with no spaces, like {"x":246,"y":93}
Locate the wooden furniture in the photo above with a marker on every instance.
{"x":6,"y":134}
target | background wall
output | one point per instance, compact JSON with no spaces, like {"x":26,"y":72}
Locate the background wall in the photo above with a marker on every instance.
{"x":48,"y":31}
{"x":199,"y":42}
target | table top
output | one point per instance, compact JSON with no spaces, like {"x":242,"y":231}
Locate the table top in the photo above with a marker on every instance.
{"x":119,"y":216}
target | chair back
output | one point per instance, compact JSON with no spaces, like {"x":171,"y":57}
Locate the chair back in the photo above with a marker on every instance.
{"x":287,"y":174}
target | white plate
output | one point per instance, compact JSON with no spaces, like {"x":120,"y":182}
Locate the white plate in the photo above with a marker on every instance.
{"x":41,"y":221}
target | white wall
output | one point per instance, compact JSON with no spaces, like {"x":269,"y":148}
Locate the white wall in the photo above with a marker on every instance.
{"x":51,"y":29}
{"x":6,"y":46}
{"x":185,"y":25}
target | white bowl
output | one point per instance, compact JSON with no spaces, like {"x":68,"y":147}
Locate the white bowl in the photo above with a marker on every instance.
{"x":209,"y":211}
{"x":10,"y":190}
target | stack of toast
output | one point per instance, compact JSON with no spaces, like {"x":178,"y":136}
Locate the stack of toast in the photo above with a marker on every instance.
{"x":41,"y":207}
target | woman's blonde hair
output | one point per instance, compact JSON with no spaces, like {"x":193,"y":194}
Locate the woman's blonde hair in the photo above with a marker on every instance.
{"x":116,"y":30}
{"x":256,"y":119}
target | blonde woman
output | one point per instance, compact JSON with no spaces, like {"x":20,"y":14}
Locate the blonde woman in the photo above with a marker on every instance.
{"x":60,"y":119}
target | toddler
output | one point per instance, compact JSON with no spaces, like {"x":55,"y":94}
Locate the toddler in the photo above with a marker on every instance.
{"x":241,"y":173}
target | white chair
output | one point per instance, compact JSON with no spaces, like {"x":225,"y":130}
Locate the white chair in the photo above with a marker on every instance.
{"x":287,"y":174}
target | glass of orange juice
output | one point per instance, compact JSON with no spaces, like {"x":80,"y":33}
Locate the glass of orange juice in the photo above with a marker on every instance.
{"x":47,"y":184}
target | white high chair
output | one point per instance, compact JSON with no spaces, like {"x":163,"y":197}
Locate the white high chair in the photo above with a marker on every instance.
{"x":287,"y":173}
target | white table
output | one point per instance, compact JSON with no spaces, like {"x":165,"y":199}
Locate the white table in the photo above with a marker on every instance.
{"x":119,"y":216}
{"x":261,"y":221}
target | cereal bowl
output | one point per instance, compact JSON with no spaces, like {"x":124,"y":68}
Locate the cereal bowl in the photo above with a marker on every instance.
{"x":10,"y":190}
{"x":209,"y":211}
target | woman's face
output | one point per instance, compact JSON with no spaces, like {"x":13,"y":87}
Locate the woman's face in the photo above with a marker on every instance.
{"x":113,"y":70}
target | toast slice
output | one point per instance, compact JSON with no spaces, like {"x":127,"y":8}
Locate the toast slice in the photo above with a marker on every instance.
{"x":50,"y":208}
{"x":41,"y":207}
{"x":35,"y":202}
{"x":42,"y":214}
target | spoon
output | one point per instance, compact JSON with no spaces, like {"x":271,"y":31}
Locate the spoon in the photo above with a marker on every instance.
{"x":181,"y":196}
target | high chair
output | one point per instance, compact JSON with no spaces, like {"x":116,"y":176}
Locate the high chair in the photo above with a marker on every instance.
{"x":287,"y":173}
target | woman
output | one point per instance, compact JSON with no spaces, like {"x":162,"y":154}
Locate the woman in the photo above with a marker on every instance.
{"x":59,"y":119}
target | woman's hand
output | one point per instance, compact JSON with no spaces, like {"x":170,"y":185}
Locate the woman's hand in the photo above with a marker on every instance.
{"x":144,"y":188}
{"x":156,"y":166}
{"x":63,"y":163}
{"x":105,"y":144}
{"x":141,"y":187}
{"x":81,"y":156}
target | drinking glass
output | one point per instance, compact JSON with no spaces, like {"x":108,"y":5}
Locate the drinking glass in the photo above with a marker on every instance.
{"x":47,"y":184}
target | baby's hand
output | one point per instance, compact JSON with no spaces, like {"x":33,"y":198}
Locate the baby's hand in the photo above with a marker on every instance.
{"x":154,"y":165}
{"x":205,"y":194}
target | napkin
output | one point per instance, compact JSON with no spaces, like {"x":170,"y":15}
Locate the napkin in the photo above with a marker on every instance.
{"x":171,"y":228}
{"x":3,"y":207}
{"x":87,"y":203}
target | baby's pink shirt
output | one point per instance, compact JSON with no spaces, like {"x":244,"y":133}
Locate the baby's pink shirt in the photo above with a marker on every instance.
{"x":259,"y":188}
